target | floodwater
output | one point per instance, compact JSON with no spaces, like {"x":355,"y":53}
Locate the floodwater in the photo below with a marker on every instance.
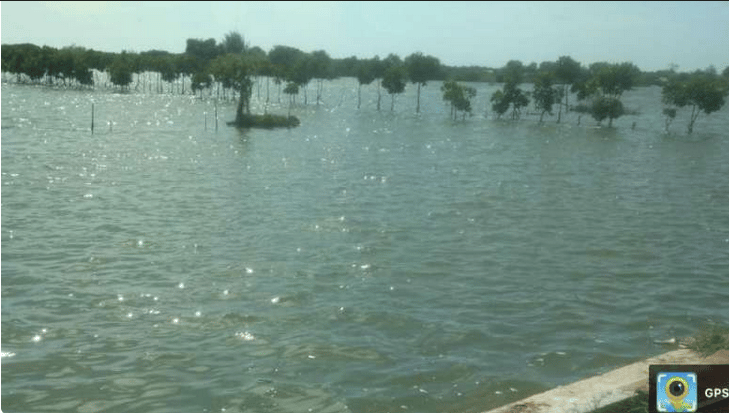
{"x":363,"y":262}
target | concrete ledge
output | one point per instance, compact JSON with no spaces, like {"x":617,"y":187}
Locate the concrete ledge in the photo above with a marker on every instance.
{"x":599,"y":391}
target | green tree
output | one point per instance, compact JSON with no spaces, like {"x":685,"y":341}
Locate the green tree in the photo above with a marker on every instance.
{"x":459,"y":97}
{"x":421,"y":69}
{"x":704,"y":93}
{"x":378,"y":69}
{"x":37,"y":63}
{"x":517,"y":98}
{"x":567,"y":73}
{"x":365,"y":76}
{"x":392,"y":60}
{"x":235,"y":71}
{"x":670,"y":116}
{"x":302,"y":73}
{"x":200,"y":81}
{"x":530,"y":72}
{"x":606,"y":107}
{"x":203,"y":50}
{"x":613,"y":80}
{"x":168,"y":70}
{"x":513,"y":72}
{"x":510,"y":96}
{"x":285,"y":58}
{"x":19,"y":58}
{"x":258,"y":59}
{"x":291,"y":89}
{"x":242,"y":72}
{"x":545,"y":95}
{"x":607,"y":84}
{"x":64,"y":64}
{"x":186,"y":65}
{"x":321,"y":69}
{"x":499,"y":103}
{"x":394,"y":82}
{"x":233,"y":43}
{"x":120,"y":71}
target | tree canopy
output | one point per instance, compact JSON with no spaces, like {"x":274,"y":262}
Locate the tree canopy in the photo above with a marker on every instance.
{"x":394,"y":81}
{"x":704,"y":93}
{"x":233,"y":66}
{"x":422,"y":69}
{"x":459,"y":97}
{"x":544,"y":94}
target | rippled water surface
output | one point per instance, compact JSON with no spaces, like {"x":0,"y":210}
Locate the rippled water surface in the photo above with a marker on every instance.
{"x":364,"y":262}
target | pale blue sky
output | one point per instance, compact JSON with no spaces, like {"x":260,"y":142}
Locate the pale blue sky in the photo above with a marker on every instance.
{"x":652,"y":35}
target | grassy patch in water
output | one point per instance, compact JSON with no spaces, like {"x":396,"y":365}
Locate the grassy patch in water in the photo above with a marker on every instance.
{"x":266,"y":121}
{"x":710,"y":339}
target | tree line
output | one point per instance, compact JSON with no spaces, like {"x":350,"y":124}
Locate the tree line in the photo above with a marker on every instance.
{"x":229,"y":67}
{"x":599,"y":87}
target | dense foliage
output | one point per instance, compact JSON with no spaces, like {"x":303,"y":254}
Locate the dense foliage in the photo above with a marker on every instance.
{"x":459,"y":97}
{"x":231,"y":68}
{"x":703,"y":93}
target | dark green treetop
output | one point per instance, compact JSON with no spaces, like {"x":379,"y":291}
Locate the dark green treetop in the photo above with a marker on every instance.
{"x":421,"y":69}
{"x":459,"y":96}
{"x":120,"y":72}
{"x":394,"y":81}
{"x":233,"y":43}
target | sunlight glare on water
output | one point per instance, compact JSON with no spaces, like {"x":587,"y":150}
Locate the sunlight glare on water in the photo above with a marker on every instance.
{"x":363,"y":262}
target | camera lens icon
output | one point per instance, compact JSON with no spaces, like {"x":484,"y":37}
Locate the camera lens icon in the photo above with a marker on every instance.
{"x":677,"y":388}
{"x":676,"y":392}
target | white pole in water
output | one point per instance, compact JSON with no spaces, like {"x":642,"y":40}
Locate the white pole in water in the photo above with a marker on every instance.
{"x":216,"y":116}
{"x":206,"y":120}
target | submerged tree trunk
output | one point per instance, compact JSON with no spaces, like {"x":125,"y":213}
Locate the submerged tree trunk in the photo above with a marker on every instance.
{"x":379,"y":94}
{"x":244,"y":104}
{"x":239,"y":111}
{"x":559,"y":113}
{"x":319,"y":89}
{"x":694,"y":115}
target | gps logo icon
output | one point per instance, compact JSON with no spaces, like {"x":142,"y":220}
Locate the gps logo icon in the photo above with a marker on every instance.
{"x":676,"y":392}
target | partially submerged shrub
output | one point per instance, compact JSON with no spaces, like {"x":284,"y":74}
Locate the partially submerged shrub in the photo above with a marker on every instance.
{"x":607,"y":107}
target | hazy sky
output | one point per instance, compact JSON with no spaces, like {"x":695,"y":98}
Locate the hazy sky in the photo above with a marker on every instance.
{"x":652,"y":35}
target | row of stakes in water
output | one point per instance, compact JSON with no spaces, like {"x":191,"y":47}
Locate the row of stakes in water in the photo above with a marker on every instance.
{"x":110,"y":123}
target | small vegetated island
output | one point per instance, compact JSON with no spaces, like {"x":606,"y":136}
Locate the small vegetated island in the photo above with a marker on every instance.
{"x":239,"y":68}
{"x":231,"y":66}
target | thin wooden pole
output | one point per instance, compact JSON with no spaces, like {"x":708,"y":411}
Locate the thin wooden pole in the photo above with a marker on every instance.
{"x":92,"y":118}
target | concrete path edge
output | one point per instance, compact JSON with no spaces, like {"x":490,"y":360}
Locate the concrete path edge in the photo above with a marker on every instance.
{"x":595,"y":392}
